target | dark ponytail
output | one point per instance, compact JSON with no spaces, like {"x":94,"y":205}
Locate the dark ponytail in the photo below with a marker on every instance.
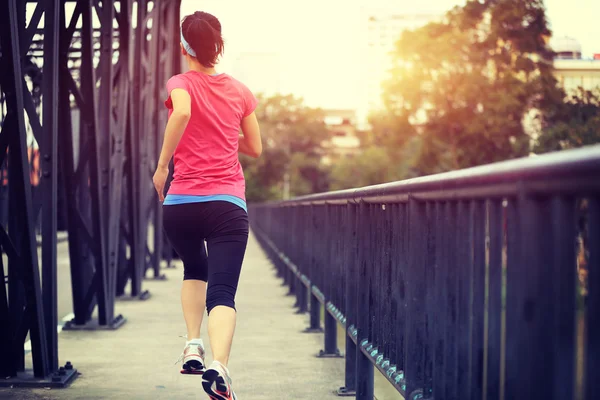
{"x":203,"y":33}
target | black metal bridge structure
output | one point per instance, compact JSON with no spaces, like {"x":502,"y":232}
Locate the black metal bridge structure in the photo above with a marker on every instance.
{"x":81,"y":93}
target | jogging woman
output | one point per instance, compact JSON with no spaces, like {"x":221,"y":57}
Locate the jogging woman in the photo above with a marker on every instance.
{"x":206,"y":199}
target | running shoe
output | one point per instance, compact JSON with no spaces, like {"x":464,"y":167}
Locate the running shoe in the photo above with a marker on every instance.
{"x":192,"y":358}
{"x":217,"y":382}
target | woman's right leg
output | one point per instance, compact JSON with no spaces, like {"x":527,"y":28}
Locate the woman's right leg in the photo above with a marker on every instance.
{"x":221,"y":326}
{"x":226,"y":250}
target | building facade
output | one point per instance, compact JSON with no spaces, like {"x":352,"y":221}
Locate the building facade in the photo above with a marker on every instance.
{"x":571,"y":70}
{"x":343,"y":140}
{"x":572,"y":74}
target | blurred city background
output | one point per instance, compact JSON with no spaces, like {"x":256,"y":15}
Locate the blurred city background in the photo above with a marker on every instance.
{"x":354,"y":93}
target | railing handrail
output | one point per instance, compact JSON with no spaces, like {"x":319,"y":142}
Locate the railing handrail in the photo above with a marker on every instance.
{"x":497,"y":179}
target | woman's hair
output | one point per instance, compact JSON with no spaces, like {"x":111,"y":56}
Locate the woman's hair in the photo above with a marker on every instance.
{"x":203,"y":33}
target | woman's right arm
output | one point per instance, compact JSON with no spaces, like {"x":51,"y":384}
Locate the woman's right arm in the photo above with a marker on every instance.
{"x":250,"y":142}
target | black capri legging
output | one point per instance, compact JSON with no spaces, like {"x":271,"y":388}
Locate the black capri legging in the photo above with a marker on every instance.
{"x":224,"y":226}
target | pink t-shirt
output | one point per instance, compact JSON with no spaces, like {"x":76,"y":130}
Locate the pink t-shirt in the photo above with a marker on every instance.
{"x":206,"y":159}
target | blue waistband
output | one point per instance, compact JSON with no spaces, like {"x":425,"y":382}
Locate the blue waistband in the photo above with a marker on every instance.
{"x":174,"y":199}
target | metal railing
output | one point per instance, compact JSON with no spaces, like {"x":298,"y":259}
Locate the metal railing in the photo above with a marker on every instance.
{"x":462,"y":285}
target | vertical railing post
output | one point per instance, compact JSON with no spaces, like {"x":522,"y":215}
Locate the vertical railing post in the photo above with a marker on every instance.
{"x":331,"y":350}
{"x":464,"y":379}
{"x":284,"y":246}
{"x":330,"y":231}
{"x":437,"y":330}
{"x":416,"y":335}
{"x":399,"y":265}
{"x":302,"y":301}
{"x":448,"y":286}
{"x":291,"y":279}
{"x":564,"y":278}
{"x":278,"y":263}
{"x":349,"y":256}
{"x":429,"y":300}
{"x":365,"y":387}
{"x":302,"y":291}
{"x":592,"y":339}
{"x":315,"y":306}
{"x":315,"y":315}
{"x":496,"y":239}
{"x":477,"y":268}
{"x":293,"y":242}
{"x":529,"y":316}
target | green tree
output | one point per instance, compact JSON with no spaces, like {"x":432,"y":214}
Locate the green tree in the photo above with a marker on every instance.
{"x":292,"y":135}
{"x":391,"y":130}
{"x":264,"y":175}
{"x":462,"y":86}
{"x":371,"y":166}
{"x":574,"y":123}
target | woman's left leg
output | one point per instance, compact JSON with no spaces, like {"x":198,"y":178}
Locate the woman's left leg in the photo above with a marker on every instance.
{"x":193,"y":290}
{"x":193,"y":302}
{"x":184,"y":233}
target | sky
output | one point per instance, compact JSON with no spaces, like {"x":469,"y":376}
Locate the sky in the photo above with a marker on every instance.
{"x":317,"y":40}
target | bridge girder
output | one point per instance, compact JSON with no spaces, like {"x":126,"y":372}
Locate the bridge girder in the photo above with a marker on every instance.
{"x":81,"y":84}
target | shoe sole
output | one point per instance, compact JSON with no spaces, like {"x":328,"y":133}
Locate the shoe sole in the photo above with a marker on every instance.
{"x":211,"y":376}
{"x":192,"y":367}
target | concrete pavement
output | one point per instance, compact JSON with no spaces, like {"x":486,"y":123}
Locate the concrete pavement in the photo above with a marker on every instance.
{"x":271,"y":358}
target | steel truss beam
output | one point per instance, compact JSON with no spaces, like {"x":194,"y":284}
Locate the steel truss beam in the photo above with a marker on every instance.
{"x":101,"y":126}
{"x":28,"y":307}
{"x":157,"y":59}
{"x":89,"y":179}
{"x":169,"y":63}
{"x":126,"y":204}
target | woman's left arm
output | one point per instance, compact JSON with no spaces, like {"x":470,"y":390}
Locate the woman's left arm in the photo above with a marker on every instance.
{"x":176,"y":125}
